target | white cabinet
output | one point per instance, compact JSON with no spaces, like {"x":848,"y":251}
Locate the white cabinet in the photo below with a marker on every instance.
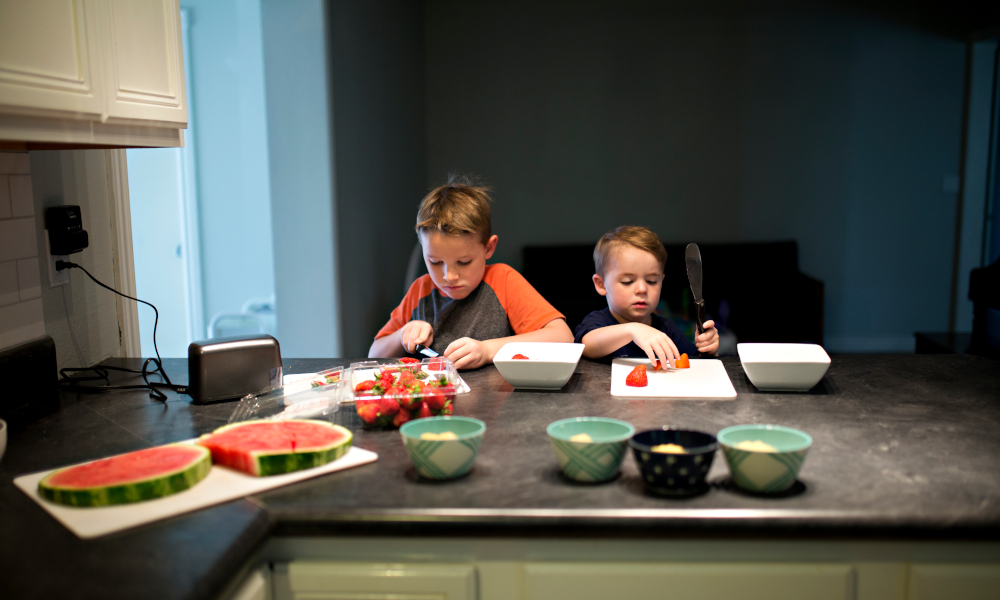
{"x":322,"y":580}
{"x":947,"y":581}
{"x":102,"y":72}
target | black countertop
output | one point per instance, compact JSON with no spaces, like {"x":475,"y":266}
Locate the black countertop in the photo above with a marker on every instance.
{"x":905,"y":446}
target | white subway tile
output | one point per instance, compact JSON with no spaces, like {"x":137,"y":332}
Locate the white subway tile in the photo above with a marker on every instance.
{"x":8,"y":283}
{"x":21,"y":322}
{"x":17,"y":239}
{"x":29,"y":278}
{"x":15,"y":163}
{"x":21,"y":202}
{"x":4,"y":198}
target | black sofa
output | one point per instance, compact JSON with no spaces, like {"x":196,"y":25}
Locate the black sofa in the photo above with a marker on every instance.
{"x":769,"y":299}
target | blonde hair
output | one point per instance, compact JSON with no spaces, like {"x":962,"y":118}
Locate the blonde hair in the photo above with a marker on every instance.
{"x":627,"y":235}
{"x":457,"y":207}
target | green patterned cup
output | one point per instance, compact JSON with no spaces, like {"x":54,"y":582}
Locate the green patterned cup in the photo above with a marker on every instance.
{"x":590,"y":461}
{"x":759,"y":469}
{"x":443,"y":459}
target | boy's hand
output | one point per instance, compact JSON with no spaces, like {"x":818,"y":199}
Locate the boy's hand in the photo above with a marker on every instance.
{"x":467,"y":353}
{"x":416,"y":332}
{"x":657,"y":345}
{"x":708,"y":342}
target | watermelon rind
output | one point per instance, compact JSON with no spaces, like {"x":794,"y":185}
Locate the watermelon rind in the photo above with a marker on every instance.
{"x":267,"y":463}
{"x":133,"y":491}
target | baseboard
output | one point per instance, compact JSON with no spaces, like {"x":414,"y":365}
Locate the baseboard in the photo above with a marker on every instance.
{"x":846,"y":344}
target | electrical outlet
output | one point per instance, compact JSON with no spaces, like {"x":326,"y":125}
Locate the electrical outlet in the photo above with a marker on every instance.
{"x":56,"y":278}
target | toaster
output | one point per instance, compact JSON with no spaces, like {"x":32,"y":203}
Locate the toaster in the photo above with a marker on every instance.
{"x":232,"y":367}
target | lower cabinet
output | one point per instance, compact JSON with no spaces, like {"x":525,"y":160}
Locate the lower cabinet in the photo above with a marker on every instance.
{"x":319,"y":580}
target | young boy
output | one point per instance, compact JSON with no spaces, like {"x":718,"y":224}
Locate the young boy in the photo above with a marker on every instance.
{"x":629,"y":262}
{"x":464,"y":308}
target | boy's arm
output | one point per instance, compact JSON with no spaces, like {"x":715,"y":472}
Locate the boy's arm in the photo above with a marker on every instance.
{"x":468,"y":353}
{"x":657,"y":345}
{"x":403,"y":340}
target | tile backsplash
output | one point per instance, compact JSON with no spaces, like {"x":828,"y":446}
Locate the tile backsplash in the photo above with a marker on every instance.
{"x":21,"y":315}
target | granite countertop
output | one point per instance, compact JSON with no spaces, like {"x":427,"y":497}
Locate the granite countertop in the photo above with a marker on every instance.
{"x":905,"y":446}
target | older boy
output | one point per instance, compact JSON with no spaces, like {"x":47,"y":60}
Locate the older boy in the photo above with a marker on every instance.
{"x":629,"y":262}
{"x":464,"y":308}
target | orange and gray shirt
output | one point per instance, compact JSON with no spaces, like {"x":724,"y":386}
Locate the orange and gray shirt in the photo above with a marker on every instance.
{"x":502,"y":305}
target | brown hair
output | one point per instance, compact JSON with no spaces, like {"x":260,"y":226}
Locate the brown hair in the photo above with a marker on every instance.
{"x":638,"y":237}
{"x":457,"y":207}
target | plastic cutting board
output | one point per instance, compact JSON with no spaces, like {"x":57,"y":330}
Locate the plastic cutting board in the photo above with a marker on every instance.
{"x":706,"y":379}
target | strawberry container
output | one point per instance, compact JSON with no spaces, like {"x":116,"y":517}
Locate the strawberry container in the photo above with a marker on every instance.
{"x":391,"y":393}
{"x":317,"y":397}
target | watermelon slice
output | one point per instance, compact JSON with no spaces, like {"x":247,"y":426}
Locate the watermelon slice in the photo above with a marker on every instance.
{"x":273,"y":447}
{"x":133,"y":477}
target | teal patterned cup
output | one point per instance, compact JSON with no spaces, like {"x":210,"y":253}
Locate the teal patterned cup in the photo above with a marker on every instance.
{"x":443,"y":459}
{"x":759,"y":469}
{"x":590,"y":461}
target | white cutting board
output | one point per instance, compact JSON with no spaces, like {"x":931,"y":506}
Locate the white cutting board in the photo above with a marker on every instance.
{"x":220,"y":485}
{"x":707,"y":378}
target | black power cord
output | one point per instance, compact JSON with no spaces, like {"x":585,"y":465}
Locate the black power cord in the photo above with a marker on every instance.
{"x":70,"y":382}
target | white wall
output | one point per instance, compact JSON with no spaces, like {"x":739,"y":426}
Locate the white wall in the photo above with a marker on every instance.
{"x":234,"y":190}
{"x":81,"y":317}
{"x":834,"y":129}
{"x":21,"y":315}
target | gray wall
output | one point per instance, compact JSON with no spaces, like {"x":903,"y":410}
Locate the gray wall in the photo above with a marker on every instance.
{"x":302,"y":202}
{"x":377,"y":80}
{"x":834,"y":129}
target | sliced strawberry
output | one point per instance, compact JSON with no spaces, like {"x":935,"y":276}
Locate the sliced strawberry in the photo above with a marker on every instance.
{"x":408,"y":360}
{"x":520,"y":357}
{"x":637,"y":378}
{"x":435,"y":365}
{"x":683,"y":362}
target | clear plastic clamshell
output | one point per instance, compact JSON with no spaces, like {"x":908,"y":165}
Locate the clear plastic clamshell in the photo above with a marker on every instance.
{"x":317,"y":396}
{"x":389,"y":394}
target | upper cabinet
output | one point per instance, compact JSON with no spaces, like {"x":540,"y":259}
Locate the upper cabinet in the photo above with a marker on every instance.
{"x":92,"y":72}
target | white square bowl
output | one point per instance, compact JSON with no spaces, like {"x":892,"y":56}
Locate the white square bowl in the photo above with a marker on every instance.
{"x":548,"y":367}
{"x":784,"y":367}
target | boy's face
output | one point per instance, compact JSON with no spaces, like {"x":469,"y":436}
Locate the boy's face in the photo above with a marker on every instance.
{"x":456,"y":263}
{"x":631,"y":282}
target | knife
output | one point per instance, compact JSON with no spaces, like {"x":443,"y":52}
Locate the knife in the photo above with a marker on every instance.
{"x":692,"y":259}
{"x":426,"y":351}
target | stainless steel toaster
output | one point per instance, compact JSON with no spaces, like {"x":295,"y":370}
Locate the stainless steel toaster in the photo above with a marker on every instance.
{"x":232,"y":367}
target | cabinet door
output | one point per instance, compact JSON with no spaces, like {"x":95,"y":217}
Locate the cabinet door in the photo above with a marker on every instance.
{"x":705,"y":581}
{"x":945,"y":581}
{"x":143,"y":60}
{"x":48,"y":59}
{"x":322,"y":580}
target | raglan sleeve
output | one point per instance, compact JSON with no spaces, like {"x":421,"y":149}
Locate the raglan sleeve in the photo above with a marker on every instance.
{"x":526,"y":309}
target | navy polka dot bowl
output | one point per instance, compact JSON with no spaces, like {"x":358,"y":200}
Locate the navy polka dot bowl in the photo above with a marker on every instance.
{"x":674,"y":462}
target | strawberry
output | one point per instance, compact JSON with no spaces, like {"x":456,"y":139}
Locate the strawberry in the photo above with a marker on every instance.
{"x":520,"y":357}
{"x":397,"y":391}
{"x":406,"y":378}
{"x":364,"y":386}
{"x":368,"y":411}
{"x":412,"y":401}
{"x":434,"y":399}
{"x":683,"y":362}
{"x":409,"y":361}
{"x":448,"y":410}
{"x":637,"y":378}
{"x":435,"y":365}
{"x":425,"y":411}
{"x":448,"y":391}
{"x":386,"y":379}
{"x":388,"y":407}
{"x":401,"y":417}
